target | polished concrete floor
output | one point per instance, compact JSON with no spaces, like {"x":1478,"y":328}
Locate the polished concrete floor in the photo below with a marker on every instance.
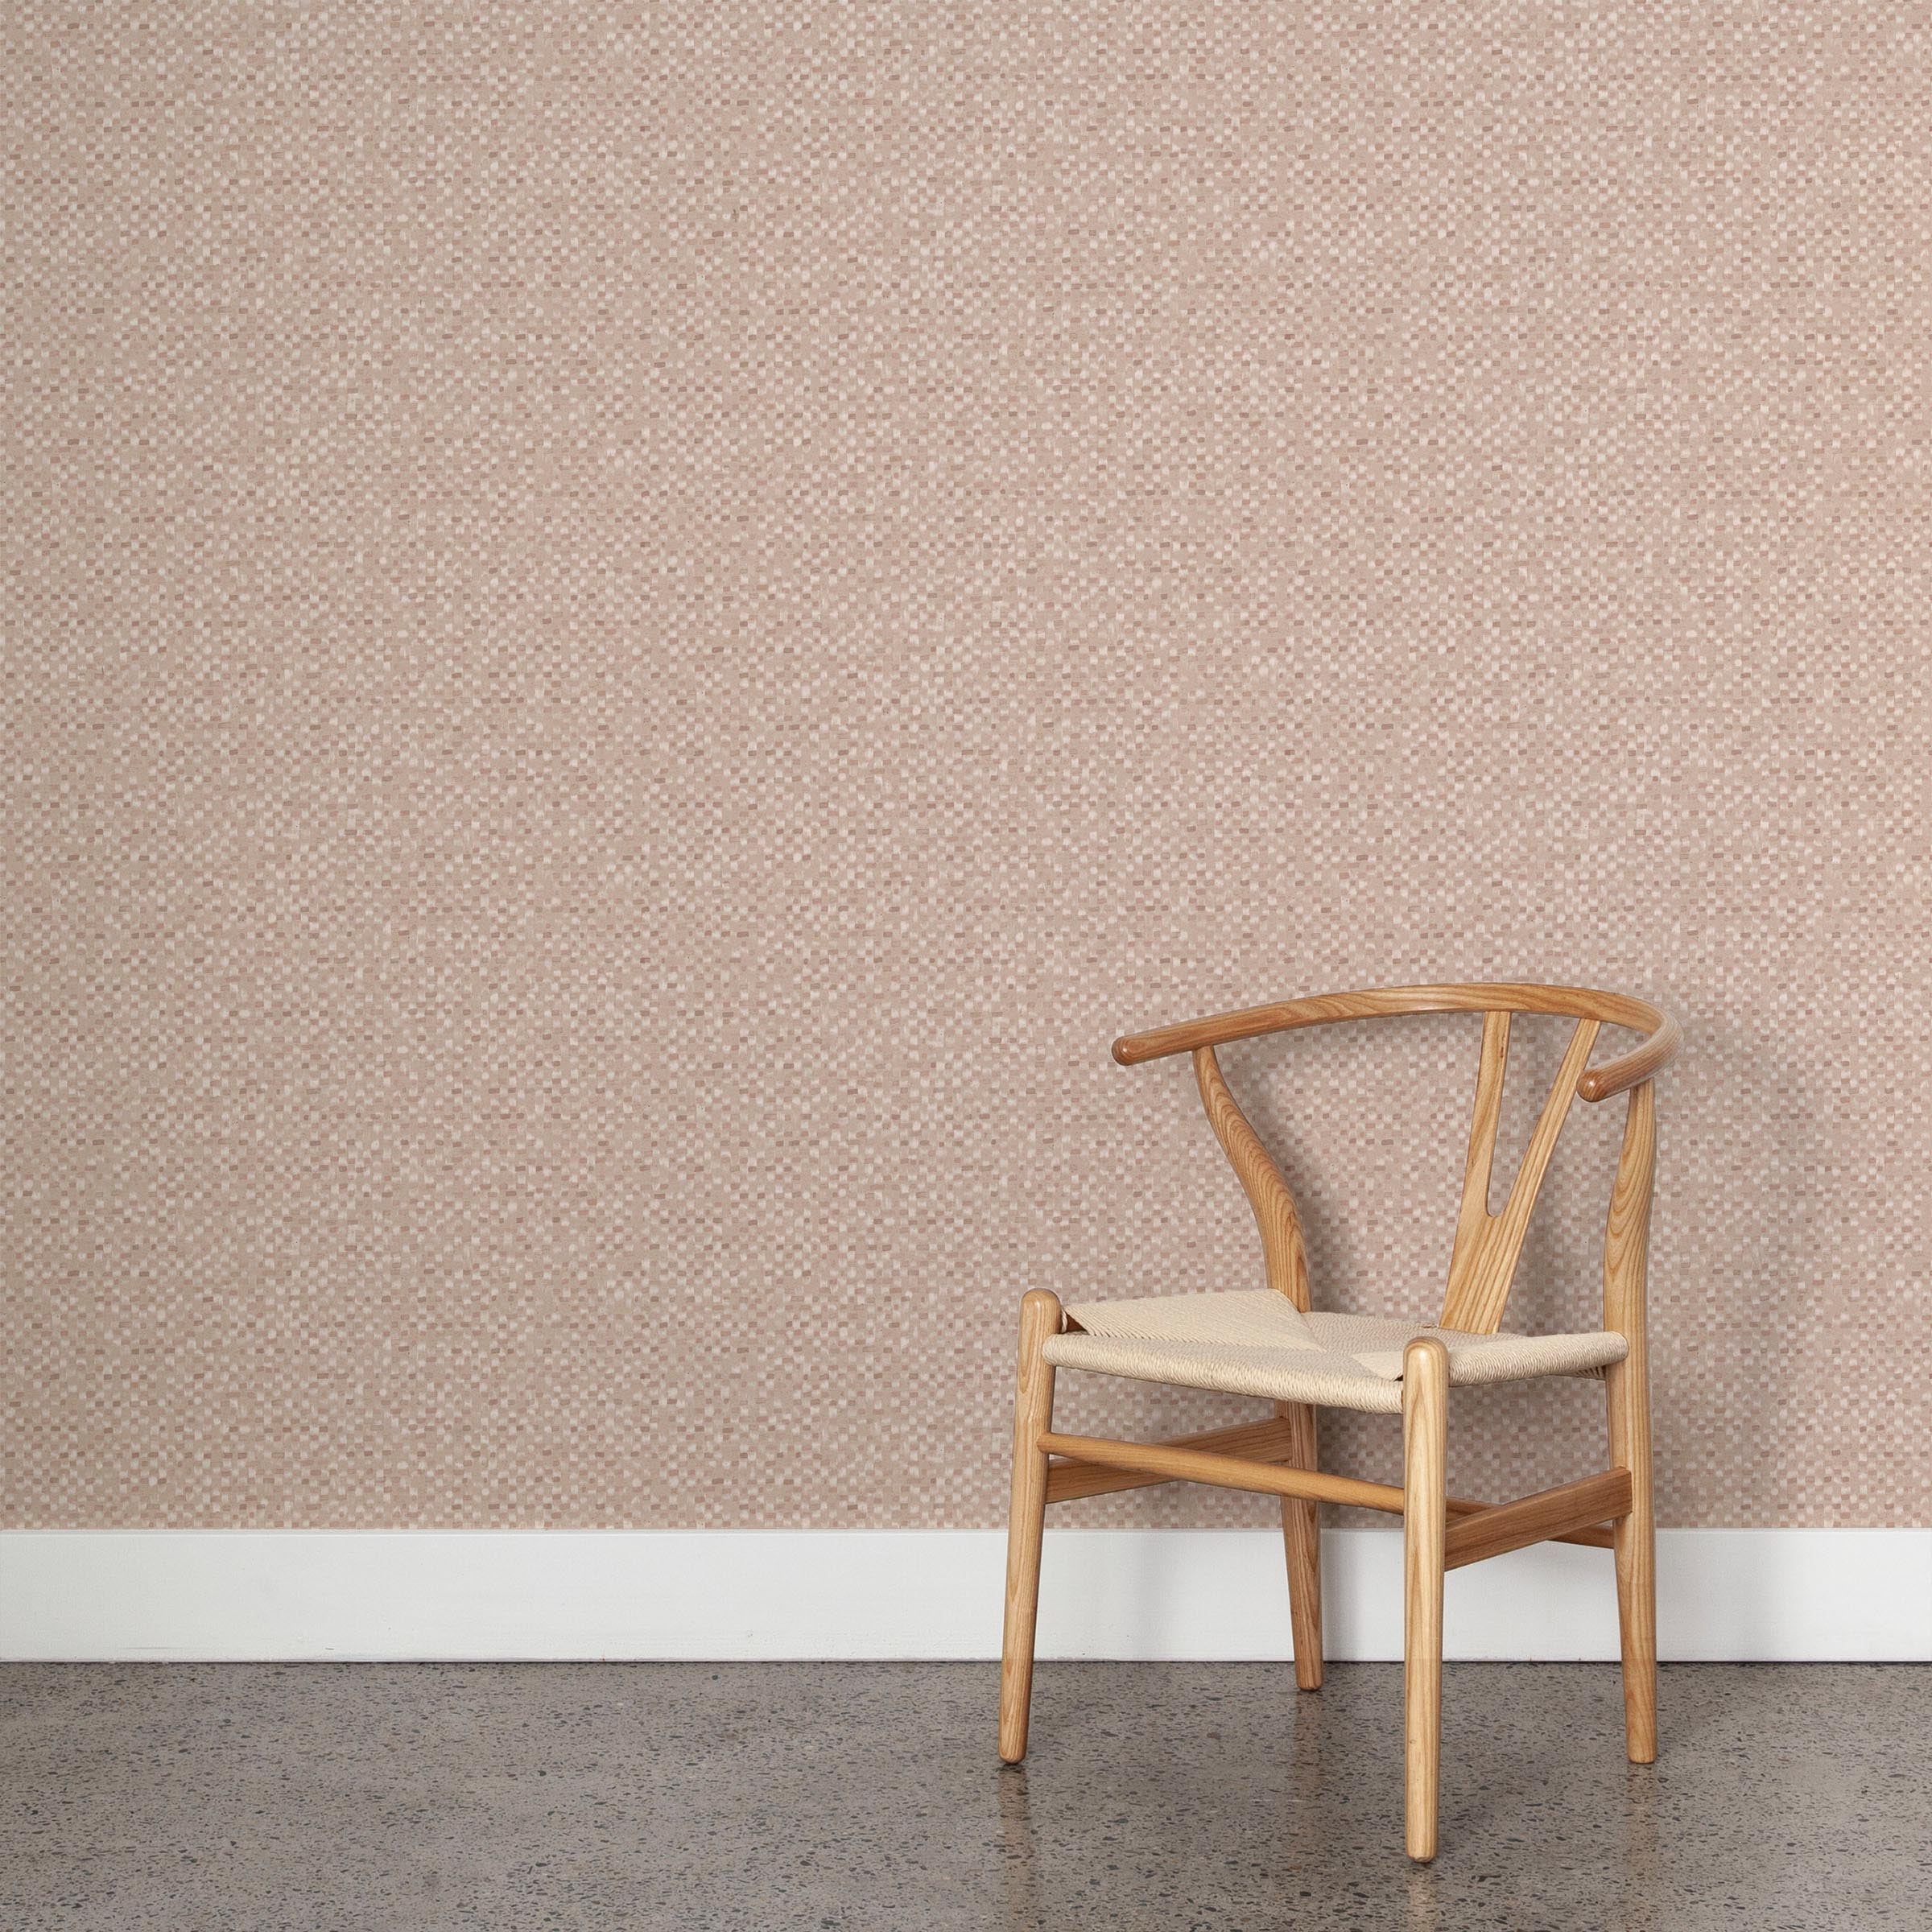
{"x":1190,"y":1798}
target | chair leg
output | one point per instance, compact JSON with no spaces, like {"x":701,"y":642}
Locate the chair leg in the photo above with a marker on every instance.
{"x":1626,"y":1245}
{"x":1425,"y":1525}
{"x":1302,"y":1537}
{"x":1634,"y":1536}
{"x":1032,"y":1417}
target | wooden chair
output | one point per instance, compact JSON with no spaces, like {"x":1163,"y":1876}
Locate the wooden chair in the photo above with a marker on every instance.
{"x":1266,"y":1342}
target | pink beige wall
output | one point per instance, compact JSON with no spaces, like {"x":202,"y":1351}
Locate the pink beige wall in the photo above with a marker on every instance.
{"x":632,"y":634}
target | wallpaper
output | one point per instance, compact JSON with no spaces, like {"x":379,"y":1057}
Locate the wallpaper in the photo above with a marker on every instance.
{"x":633,"y":634}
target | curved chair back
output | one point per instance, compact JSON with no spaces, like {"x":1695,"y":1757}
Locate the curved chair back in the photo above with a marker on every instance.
{"x":1482,"y":1265}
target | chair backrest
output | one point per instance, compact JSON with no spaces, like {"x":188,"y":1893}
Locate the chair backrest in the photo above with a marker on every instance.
{"x":1482,"y":1263}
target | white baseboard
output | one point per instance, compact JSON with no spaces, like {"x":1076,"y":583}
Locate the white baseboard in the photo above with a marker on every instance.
{"x":1757,"y":1594}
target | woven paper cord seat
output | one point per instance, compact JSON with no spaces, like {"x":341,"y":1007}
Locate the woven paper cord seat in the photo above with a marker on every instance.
{"x":1257,"y":1342}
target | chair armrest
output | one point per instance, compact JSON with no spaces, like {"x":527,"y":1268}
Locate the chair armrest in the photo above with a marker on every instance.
{"x":1634,"y":1068}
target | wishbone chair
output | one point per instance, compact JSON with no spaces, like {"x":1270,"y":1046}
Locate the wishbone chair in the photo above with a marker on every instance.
{"x":1267,"y":1343}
